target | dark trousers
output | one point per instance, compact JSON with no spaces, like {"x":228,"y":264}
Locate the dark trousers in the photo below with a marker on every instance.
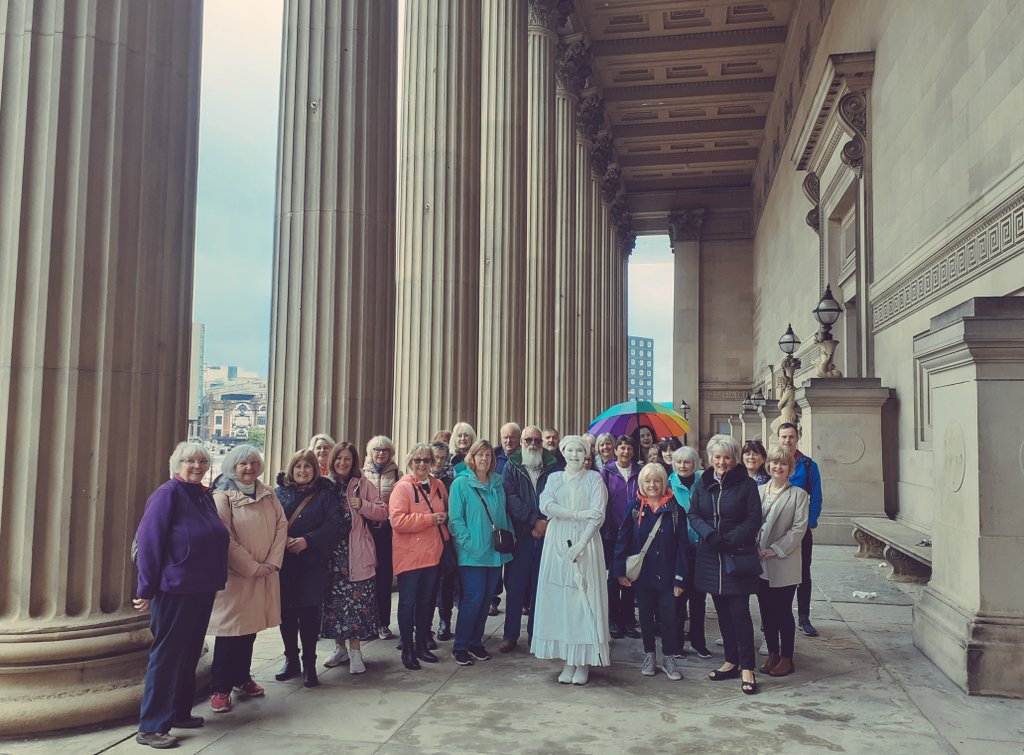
{"x":444,"y":591}
{"x":776,"y":604}
{"x":620,"y":599}
{"x":178,"y":624}
{"x":478,"y":584}
{"x":416,"y":604}
{"x":385,"y":572}
{"x":649,"y":601}
{"x":803,"y":592}
{"x":737,"y":629}
{"x":692,"y":604}
{"x":232,"y":660}
{"x":521,"y":586}
{"x":300,"y":624}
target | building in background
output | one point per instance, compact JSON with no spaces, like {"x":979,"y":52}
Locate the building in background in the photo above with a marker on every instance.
{"x":234,"y":400}
{"x":641,"y":368}
{"x":196,"y":367}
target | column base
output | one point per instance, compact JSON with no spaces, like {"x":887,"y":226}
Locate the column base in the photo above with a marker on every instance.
{"x":71,"y":676}
{"x":981,"y":654}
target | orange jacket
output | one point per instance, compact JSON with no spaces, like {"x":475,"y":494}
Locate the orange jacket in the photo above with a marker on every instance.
{"x":416,"y":541}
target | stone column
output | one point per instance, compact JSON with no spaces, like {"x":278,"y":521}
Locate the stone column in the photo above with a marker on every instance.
{"x":750,"y":422}
{"x":502,"y":373}
{"x":600,"y":157}
{"x":545,"y":17}
{"x":438,"y":281}
{"x":841,"y":429}
{"x":768,"y":412}
{"x":571,"y":71}
{"x":584,"y":259}
{"x":332,"y":321}
{"x":684,"y":229}
{"x":970,"y":619}
{"x":98,"y":159}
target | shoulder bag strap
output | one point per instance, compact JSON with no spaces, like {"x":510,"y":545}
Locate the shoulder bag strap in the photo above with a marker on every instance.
{"x":807,"y":474}
{"x":650,"y":538}
{"x":305,"y":502}
{"x":416,"y":492}
{"x":486,"y":510}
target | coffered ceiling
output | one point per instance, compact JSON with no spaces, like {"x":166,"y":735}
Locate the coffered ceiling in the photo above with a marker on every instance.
{"x":687,"y":85}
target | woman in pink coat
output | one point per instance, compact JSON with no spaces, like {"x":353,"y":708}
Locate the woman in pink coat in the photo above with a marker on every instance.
{"x":350,"y":610}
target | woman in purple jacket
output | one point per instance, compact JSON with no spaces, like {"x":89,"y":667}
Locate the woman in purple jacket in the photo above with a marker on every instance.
{"x":183,"y":562}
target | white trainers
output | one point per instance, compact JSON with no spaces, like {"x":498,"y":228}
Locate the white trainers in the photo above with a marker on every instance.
{"x":357,"y":666}
{"x":720,"y":642}
{"x":648,"y":669}
{"x":763,"y":650}
{"x":338,"y":658}
{"x":567,"y":673}
{"x":581,"y":676}
{"x":668,"y":665}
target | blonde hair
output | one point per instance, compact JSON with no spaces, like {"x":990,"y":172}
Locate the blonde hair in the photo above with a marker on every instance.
{"x":417,"y":448}
{"x":652,"y":470}
{"x":781,"y":453}
{"x":319,"y":437}
{"x":459,"y":428}
{"x":378,"y":440}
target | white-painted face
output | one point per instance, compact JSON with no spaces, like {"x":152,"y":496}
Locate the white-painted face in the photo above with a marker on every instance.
{"x":574,"y":455}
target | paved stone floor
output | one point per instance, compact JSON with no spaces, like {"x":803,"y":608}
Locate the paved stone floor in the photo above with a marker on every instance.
{"x":860,"y":687}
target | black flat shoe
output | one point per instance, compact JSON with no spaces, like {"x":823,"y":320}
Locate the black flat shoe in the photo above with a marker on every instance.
{"x":192,"y":722}
{"x":720,"y":676}
{"x":289,"y":670}
{"x":425,"y":655}
{"x":749,"y":688}
{"x":409,"y":659}
{"x":309,"y":677}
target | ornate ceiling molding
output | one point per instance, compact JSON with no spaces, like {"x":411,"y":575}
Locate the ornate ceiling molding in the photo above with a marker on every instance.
{"x":550,"y":14}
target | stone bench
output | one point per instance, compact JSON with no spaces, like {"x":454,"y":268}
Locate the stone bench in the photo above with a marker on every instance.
{"x":896,"y":543}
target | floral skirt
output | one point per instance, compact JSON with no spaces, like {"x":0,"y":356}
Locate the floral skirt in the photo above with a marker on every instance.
{"x":350,"y":611}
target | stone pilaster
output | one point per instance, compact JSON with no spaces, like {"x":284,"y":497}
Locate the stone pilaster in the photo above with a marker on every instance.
{"x":332,"y":322}
{"x":684,"y":230}
{"x":98,"y":159}
{"x":502,"y":374}
{"x":438,"y":280}
{"x":545,"y":17}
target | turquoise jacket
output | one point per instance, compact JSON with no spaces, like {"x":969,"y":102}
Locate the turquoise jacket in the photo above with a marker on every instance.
{"x":468,"y":523}
{"x":682,"y":494}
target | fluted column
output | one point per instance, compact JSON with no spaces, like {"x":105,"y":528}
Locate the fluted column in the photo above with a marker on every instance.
{"x":438,"y":280}
{"x":332,"y":329}
{"x":583,"y":261}
{"x":502,"y":377}
{"x":545,"y":16}
{"x":684,"y":228}
{"x":98,"y":132}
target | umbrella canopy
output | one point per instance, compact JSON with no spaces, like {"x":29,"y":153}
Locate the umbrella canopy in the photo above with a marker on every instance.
{"x":625,"y":418}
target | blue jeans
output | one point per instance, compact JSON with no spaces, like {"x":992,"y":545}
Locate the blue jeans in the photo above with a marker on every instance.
{"x":521,"y":581}
{"x":478,"y":583}
{"x":416,"y":604}
{"x":178,"y":624}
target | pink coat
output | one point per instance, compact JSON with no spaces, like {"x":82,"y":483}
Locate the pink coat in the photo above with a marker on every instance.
{"x":259,"y":533}
{"x":362,"y":554}
{"x":416,"y":542}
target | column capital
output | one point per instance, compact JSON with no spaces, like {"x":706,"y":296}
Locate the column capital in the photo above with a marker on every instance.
{"x":590,"y":115}
{"x":550,"y":14}
{"x":611,"y":183}
{"x":601,"y":154}
{"x":572,"y":66}
{"x":685,"y":225}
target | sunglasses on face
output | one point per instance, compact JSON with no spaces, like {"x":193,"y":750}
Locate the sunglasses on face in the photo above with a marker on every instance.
{"x":532,"y":441}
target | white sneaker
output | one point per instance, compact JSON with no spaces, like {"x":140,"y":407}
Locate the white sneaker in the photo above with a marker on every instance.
{"x":357,"y":666}
{"x":763,"y":650}
{"x":338,"y":658}
{"x":648,"y":669}
{"x":668,"y":665}
{"x":567,"y":674}
{"x":581,"y":676}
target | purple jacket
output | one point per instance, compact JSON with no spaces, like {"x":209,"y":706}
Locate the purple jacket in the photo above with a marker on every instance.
{"x":183,"y":545}
{"x":621,"y":496}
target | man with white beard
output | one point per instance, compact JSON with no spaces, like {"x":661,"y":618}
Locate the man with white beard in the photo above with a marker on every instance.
{"x":525,"y":475}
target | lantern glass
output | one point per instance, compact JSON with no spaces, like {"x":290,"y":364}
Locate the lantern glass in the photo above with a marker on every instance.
{"x":828,"y":309}
{"x":789,"y":342}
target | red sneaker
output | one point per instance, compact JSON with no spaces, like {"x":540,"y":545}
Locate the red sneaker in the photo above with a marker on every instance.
{"x":220,"y":702}
{"x":250,"y":688}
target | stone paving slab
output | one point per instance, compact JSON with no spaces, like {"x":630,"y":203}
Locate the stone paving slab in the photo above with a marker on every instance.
{"x":860,"y":687}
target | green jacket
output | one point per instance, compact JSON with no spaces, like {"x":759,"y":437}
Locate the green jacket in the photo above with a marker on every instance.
{"x":468,"y":522}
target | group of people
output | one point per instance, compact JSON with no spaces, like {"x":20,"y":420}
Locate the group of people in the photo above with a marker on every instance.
{"x":576,"y":532}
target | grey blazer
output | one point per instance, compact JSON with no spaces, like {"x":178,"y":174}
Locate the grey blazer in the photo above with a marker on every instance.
{"x":784,"y":523}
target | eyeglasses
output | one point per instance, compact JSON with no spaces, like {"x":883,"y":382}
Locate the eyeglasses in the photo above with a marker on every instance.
{"x":532,"y":441}
{"x":422,"y":460}
{"x":381,"y":450}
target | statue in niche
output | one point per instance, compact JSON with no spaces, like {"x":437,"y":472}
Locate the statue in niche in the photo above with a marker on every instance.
{"x":826,"y":367}
{"x":786,"y":390}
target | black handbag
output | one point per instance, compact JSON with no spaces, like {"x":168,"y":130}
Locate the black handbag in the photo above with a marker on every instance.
{"x":502,"y":540}
{"x":745,"y":562}
{"x":449,"y":563}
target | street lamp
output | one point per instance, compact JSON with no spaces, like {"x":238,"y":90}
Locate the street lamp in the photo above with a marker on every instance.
{"x":789,"y":343}
{"x":748,"y":403}
{"x":826,"y":313}
{"x":684,"y":409}
{"x":758,"y":398}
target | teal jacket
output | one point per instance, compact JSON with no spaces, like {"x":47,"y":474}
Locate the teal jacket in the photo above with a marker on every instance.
{"x":468,"y":522}
{"x":682,"y":494}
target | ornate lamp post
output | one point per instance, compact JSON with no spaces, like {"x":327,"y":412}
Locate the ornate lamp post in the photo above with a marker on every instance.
{"x":786,"y":387}
{"x":684,"y":409}
{"x":826,"y":313}
{"x":758,"y":398}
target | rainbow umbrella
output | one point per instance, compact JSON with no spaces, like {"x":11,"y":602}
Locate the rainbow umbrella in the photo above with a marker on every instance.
{"x":625,"y":418}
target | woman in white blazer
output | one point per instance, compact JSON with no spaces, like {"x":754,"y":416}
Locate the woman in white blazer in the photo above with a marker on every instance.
{"x":784,"y":511}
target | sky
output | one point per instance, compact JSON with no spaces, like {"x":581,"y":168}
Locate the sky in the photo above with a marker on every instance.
{"x":235,"y":213}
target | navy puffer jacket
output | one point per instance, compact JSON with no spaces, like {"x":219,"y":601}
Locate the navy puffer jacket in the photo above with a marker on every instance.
{"x":727,"y":517}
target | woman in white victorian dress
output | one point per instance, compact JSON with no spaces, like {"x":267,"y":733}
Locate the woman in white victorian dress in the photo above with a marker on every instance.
{"x":571,"y":621}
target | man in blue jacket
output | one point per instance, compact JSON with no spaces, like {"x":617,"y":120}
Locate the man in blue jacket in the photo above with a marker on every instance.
{"x":510,"y":439}
{"x":805,"y":475}
{"x":525,"y":474}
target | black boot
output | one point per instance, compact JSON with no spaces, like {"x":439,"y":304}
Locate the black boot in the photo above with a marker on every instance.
{"x":423,"y":650}
{"x":409,"y":657}
{"x":289,"y":670}
{"x":444,"y":630}
{"x":309,"y":677}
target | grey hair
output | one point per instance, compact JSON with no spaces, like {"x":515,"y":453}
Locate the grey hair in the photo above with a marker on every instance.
{"x":236,"y":456}
{"x":533,"y":427}
{"x":378,"y":440}
{"x":318,"y":437}
{"x":417,"y":448}
{"x":685,"y":453}
{"x":186,"y":450}
{"x":514,"y":425}
{"x":652,"y":470}
{"x":460,"y":427}
{"x":724,"y":444}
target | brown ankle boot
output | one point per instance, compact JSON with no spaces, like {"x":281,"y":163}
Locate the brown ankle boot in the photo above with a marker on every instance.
{"x":784,"y":667}
{"x":768,"y":665}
